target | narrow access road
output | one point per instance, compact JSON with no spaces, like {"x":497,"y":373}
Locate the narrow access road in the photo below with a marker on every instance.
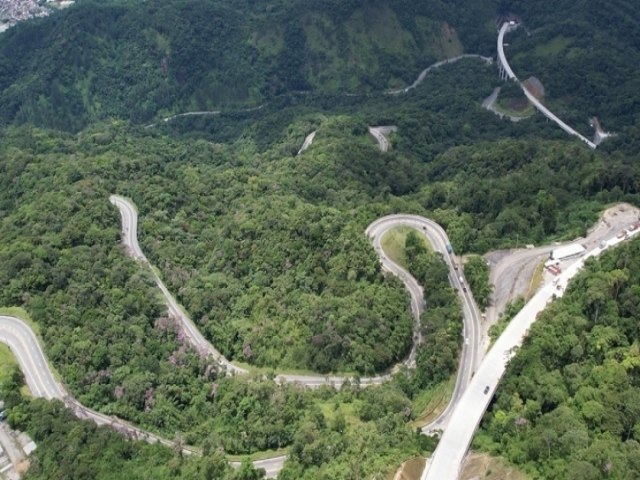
{"x":380,"y":134}
{"x":446,"y":61}
{"x":512,"y":270}
{"x":447,"y":459}
{"x":489,"y":104}
{"x":506,"y":27}
{"x":202,"y":113}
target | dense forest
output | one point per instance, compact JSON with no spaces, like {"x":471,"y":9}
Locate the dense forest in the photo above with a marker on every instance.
{"x":143,"y":60}
{"x":569,"y":405}
{"x":329,"y":434}
{"x":266,"y":249}
{"x":586,"y":55}
{"x":136,"y":60}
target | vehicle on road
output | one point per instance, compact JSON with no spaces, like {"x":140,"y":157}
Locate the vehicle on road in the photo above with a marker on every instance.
{"x":486,"y":389}
{"x":449,"y":249}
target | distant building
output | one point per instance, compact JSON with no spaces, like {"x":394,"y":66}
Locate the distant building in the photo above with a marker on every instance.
{"x":568,"y":251}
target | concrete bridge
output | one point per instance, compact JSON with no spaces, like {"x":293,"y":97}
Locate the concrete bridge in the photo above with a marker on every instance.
{"x":506,"y":73}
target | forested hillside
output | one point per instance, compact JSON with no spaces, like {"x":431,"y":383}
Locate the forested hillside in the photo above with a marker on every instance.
{"x":138,"y":60}
{"x":587,"y":55}
{"x":569,"y":405}
{"x":266,"y":249}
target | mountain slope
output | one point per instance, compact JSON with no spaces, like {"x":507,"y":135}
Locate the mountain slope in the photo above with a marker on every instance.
{"x":136,"y":60}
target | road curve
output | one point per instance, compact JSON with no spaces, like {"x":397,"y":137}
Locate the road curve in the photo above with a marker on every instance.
{"x":375,"y":231}
{"x":129,"y":216}
{"x":447,"y":459}
{"x":506,"y":27}
{"x":489,"y":104}
{"x":19,"y":337}
{"x":471,"y":317}
{"x":435,"y":65}
{"x":380,"y":134}
{"x":25,"y":346}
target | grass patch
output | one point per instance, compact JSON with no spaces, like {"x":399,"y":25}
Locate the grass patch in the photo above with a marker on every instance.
{"x":484,"y":466}
{"x":536,"y":280}
{"x":552,"y":47}
{"x":409,"y":470}
{"x":500,"y":107}
{"x":7,"y":362}
{"x":393,"y":243}
{"x":259,"y":455}
{"x":510,"y":311}
{"x":432,"y":402}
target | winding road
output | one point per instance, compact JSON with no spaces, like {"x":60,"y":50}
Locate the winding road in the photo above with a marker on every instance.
{"x":40,"y":379}
{"x":489,"y":103}
{"x":471,"y":316}
{"x":446,"y":61}
{"x":469,"y":400}
{"x":448,"y":457}
{"x":375,"y":232}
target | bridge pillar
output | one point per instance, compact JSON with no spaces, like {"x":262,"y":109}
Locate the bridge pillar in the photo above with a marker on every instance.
{"x":502,"y":73}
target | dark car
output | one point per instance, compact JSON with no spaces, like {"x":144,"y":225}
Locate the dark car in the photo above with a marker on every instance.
{"x":486,"y":389}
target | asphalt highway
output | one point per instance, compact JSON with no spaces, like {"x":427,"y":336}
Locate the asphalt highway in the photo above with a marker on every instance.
{"x":129,"y":215}
{"x":24,"y":345}
{"x":41,"y":381}
{"x":446,"y":462}
{"x":470,"y":397}
{"x":465,"y":405}
{"x":380,"y":134}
